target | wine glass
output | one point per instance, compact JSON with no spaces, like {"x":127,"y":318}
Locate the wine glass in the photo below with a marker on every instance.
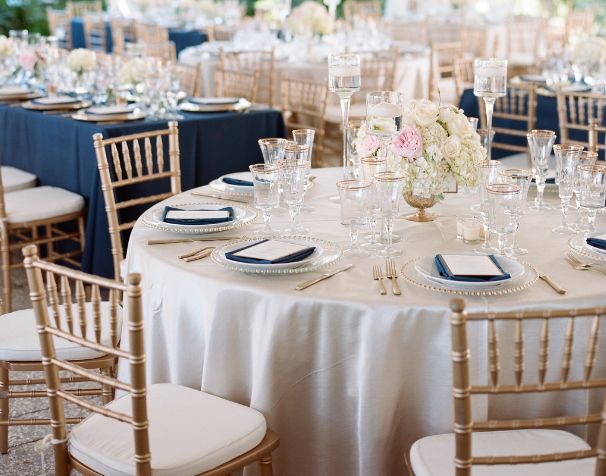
{"x":298,"y":155}
{"x":305,"y":137}
{"x":503,"y":204}
{"x":521,"y":178}
{"x":490,"y":83}
{"x":384,"y":110}
{"x":389,"y":187}
{"x":567,"y":160}
{"x":272,"y":149}
{"x":344,"y":79}
{"x":370,"y":166}
{"x":265,"y":182}
{"x":353,"y":195}
{"x":488,"y":173}
{"x":586,"y":158}
{"x":540,"y":143}
{"x":593,"y":192}
{"x":294,"y":177}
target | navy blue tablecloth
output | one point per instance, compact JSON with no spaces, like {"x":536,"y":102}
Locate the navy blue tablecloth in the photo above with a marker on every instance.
{"x":181,"y":37}
{"x":60,"y":152}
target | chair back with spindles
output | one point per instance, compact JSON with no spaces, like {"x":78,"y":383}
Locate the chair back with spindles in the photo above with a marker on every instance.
{"x":45,"y":303}
{"x":579,"y":23}
{"x":132,"y":160}
{"x":581,"y":119}
{"x":188,"y":76}
{"x":220,"y":32}
{"x":473,"y":41}
{"x":463,"y":74}
{"x":60,"y":26}
{"x":378,"y":68}
{"x":150,"y":33}
{"x":464,"y":389}
{"x":523,"y":35}
{"x":514,"y":116}
{"x":442,"y":64}
{"x":362,"y":10}
{"x":416,"y":32}
{"x":303,"y":105}
{"x":237,"y":83}
{"x":95,"y":32}
{"x":263,"y":61}
{"x":123,"y":32}
{"x":80,"y":9}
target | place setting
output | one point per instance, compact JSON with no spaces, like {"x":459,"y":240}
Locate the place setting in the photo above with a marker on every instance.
{"x":214,"y":104}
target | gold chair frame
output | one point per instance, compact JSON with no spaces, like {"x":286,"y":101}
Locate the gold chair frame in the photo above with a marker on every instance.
{"x":236,"y":83}
{"x":189,"y":77}
{"x":95,"y":32}
{"x":124,"y":170}
{"x":463,"y":389}
{"x":523,"y":34}
{"x":362,"y":10}
{"x":64,"y":461}
{"x":262,"y":61}
{"x":463,"y":74}
{"x":582,"y":112}
{"x":220,"y":33}
{"x":442,"y":64}
{"x":58,"y":19}
{"x":121,"y":30}
{"x":80,"y":9}
{"x":303,"y":105}
{"x":149,"y":33}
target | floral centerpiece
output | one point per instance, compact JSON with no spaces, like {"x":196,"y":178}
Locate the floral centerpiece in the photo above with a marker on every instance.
{"x":436,"y":148}
{"x":81,"y":61}
{"x":310,"y":17}
{"x":132,"y":73}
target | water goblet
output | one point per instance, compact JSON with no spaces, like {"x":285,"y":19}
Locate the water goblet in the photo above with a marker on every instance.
{"x":389,"y":188}
{"x":272,"y":149}
{"x":299,"y":155}
{"x":353,"y":195}
{"x":384,"y":110}
{"x":490,"y":83}
{"x":344,"y":79}
{"x":540,"y":143}
{"x":503,"y":203}
{"x":293,"y":188}
{"x":586,"y":158}
{"x":567,"y":160}
{"x":265,"y":182}
{"x":488,"y":173}
{"x":521,"y":178}
{"x":593,"y":192}
{"x":305,"y":137}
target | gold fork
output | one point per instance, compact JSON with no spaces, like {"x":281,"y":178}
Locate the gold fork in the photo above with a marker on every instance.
{"x":377,"y":274}
{"x":392,"y":274}
{"x":197,"y":254}
{"x":578,"y":264}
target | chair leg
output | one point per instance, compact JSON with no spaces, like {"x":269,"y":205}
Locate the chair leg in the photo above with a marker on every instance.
{"x":50,"y":249}
{"x":4,"y":384}
{"x":265,"y":466}
{"x":5,"y":253}
{"x":82,"y":231}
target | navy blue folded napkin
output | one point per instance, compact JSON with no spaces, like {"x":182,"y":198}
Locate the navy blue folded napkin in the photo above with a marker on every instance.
{"x":597,"y":243}
{"x":291,"y":258}
{"x":198,"y":221}
{"x":445,"y":272}
{"x":237,"y":182}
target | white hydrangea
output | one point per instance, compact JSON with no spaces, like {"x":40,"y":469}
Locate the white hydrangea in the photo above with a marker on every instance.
{"x":81,"y":60}
{"x":6,"y":47}
{"x":311,"y":17}
{"x":132,"y":72}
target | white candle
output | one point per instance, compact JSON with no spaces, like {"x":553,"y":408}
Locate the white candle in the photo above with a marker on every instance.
{"x":471,"y":229}
{"x":385,"y":110}
{"x":344,"y":70}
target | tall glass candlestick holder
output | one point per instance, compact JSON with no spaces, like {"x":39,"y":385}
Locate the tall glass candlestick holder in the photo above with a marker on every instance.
{"x":490,"y":83}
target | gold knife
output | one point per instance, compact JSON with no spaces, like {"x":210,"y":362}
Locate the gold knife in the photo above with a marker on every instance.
{"x":555,"y":286}
{"x":311,"y":282}
{"x":203,"y":194}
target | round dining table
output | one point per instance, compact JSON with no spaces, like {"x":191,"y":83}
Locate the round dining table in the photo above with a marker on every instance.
{"x":347,"y":377}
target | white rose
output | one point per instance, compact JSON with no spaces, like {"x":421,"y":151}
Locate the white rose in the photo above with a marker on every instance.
{"x":451,"y":147}
{"x":382,"y":124}
{"x":426,"y":112}
{"x":132,"y":72}
{"x":81,"y":60}
{"x":459,"y":125}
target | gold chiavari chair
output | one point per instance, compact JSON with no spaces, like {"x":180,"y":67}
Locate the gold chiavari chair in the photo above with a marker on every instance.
{"x":163,"y":427}
{"x":229,"y":83}
{"x":123,"y":32}
{"x":519,"y":446}
{"x":416,"y":32}
{"x":60,"y":26}
{"x":264,"y":62}
{"x":188,"y":76}
{"x":582,"y":115}
{"x":516,"y":109}
{"x":220,"y":33}
{"x":133,"y":160}
{"x":81,"y":9}
{"x":579,"y":22}
{"x":303,"y":105}
{"x":473,"y":41}
{"x":20,"y":349}
{"x":362,"y":10}
{"x":149,"y":33}
{"x":95,"y":32}
{"x":441,"y":31}
{"x":523,"y":36}
{"x":40,"y":215}
{"x":463,"y":74}
{"x":442,"y":69}
{"x":165,"y":51}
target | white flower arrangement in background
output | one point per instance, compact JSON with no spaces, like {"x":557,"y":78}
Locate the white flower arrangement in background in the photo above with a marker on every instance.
{"x":132,"y":72}
{"x":589,"y":50}
{"x":310,"y":17}
{"x":6,"y":47}
{"x":435,"y":145}
{"x":81,"y":61}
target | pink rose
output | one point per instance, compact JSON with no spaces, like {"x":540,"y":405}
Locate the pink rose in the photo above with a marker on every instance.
{"x":408,"y":143}
{"x":370,"y":144}
{"x":28,"y":60}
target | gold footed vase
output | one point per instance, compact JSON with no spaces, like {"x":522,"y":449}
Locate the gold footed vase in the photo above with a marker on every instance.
{"x":421,"y":204}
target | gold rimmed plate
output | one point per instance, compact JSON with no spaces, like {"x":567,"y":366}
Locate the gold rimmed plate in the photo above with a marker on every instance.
{"x":227,"y":106}
{"x":15,"y":93}
{"x":101,"y":118}
{"x":40,"y":105}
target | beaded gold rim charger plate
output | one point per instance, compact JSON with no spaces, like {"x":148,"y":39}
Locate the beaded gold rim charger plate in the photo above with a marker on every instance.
{"x":239,"y":106}
{"x":580,"y":246}
{"x":523,"y":282}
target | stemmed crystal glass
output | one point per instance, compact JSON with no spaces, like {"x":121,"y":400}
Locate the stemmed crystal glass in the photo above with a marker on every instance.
{"x":389,"y":188}
{"x":541,"y":143}
{"x":272,"y":149}
{"x":305,"y":137}
{"x":265,"y":181}
{"x":353,"y":195}
{"x":567,"y":160}
{"x":586,"y":158}
{"x":298,"y":156}
{"x":488,"y":173}
{"x":370,"y":166}
{"x":593,"y":192}
{"x":344,"y":78}
{"x":503,"y":204}
{"x":490,"y":83}
{"x":384,"y":110}
{"x":294,"y":176}
{"x":521,"y":178}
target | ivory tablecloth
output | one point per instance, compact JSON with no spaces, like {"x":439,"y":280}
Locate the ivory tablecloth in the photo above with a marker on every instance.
{"x":348,"y":378}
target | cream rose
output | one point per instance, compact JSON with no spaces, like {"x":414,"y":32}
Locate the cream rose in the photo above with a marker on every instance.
{"x":81,"y":60}
{"x":451,"y":148}
{"x":426,"y":113}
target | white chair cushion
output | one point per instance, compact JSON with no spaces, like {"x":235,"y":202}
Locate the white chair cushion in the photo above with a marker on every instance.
{"x":14,"y":179}
{"x":41,"y":203}
{"x":434,"y":455}
{"x":19,"y":340}
{"x":190,"y":432}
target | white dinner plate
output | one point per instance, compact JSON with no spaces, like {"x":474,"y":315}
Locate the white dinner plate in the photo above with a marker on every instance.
{"x":241,"y":105}
{"x":214,"y":101}
{"x":110,"y":110}
{"x":426,"y":267}
{"x":242,"y":215}
{"x":259,"y":266}
{"x":220,"y":186}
